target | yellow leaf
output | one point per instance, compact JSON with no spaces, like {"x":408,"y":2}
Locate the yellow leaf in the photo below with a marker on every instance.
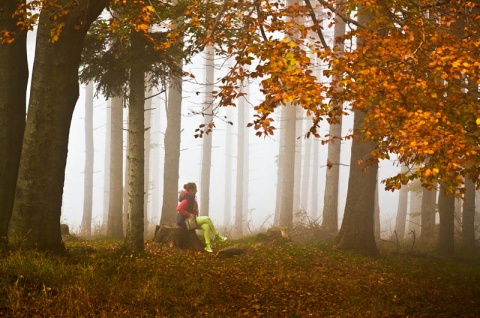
{"x":478,"y":121}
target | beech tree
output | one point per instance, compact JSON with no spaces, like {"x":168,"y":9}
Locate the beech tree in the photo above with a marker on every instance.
{"x":13,"y":86}
{"x":53,"y":95}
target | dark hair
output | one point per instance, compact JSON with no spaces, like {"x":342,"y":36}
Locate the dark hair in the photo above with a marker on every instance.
{"x":189,"y":186}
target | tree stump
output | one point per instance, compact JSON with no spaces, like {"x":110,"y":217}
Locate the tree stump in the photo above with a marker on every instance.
{"x":179,"y":237}
{"x":64,"y":229}
{"x":278,"y":234}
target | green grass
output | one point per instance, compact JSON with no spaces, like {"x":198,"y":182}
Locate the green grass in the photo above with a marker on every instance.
{"x":97,"y":279}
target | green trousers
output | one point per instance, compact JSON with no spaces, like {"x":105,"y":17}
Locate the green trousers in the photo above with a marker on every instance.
{"x":206,"y":224}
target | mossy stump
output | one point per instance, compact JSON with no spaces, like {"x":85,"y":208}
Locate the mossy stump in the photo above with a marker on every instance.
{"x":175,"y":236}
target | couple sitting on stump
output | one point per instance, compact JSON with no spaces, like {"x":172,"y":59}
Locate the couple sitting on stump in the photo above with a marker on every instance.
{"x":188,"y":208}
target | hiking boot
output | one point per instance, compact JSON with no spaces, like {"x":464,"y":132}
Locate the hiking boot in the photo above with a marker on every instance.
{"x":208,"y":248}
{"x":220,"y":238}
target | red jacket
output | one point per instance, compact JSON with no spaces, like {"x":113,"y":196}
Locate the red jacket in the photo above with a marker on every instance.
{"x":187,"y":205}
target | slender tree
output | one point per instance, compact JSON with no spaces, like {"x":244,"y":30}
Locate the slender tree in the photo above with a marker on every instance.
{"x":115,"y":228}
{"x":330,"y":206}
{"x":172,"y":146}
{"x":136,"y":149}
{"x":401,"y":217}
{"x":207,"y":138}
{"x":86,"y":226}
{"x":468,"y":217}
{"x":13,"y":86}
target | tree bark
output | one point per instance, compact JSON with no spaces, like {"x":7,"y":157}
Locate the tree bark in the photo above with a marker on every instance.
{"x":13,"y":86}
{"x":468,"y":217}
{"x":53,"y":95}
{"x":446,"y":234}
{"x":401,"y":219}
{"x":330,"y":207}
{"x":136,"y":144}
{"x":115,"y":227}
{"x":207,"y":138}
{"x":357,"y":230}
{"x":86,"y":227}
{"x":172,"y":147}
{"x":286,"y":210}
{"x":429,"y":200}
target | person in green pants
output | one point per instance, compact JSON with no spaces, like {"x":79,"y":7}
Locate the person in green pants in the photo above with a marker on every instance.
{"x":188,"y":207}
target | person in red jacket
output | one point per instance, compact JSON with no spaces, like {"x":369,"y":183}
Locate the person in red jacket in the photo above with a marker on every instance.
{"x":188,"y":208}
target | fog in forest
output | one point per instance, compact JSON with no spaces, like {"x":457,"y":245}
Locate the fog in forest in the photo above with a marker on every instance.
{"x":262,"y":165}
{"x":263,"y":155}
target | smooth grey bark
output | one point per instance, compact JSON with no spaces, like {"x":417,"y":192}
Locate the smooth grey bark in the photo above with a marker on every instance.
{"x":115,"y":228}
{"x":106,"y":166}
{"x":239,"y":225}
{"x":377,"y":225}
{"x":207,"y":138}
{"x":146,"y":181}
{"x":429,"y":201}
{"x":280,"y":165}
{"x":330,"y":205}
{"x":357,"y":229}
{"x":136,"y":153}
{"x":13,"y":86}
{"x":53,"y":95}
{"x":414,"y":216}
{"x":172,"y":147}
{"x":468,"y":217}
{"x":86,"y":226}
{"x":306,"y":171}
{"x":401,"y":217}
{"x":297,"y":185}
{"x":228,"y":171}
{"x":446,"y":233}
{"x":315,"y":174}
{"x":286,"y":211}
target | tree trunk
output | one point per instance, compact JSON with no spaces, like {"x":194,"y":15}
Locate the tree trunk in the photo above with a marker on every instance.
{"x":280,"y":165}
{"x":357,"y":230}
{"x":330,"y":206}
{"x":115,"y":206}
{"x":13,"y":86}
{"x":136,"y":144}
{"x":446,"y":234}
{"x":306,"y":174}
{"x":207,"y":139}
{"x":315,"y":174}
{"x":146,"y":181}
{"x":227,"y":208}
{"x":401,"y":218}
{"x":239,"y":193}
{"x":53,"y":95}
{"x":86,"y":227}
{"x":106,"y":166}
{"x":172,"y":148}
{"x":429,"y":200}
{"x":468,"y":217}
{"x":286,"y":214}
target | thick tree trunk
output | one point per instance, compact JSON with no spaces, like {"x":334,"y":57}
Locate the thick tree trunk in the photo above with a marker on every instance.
{"x":115,"y":227}
{"x":54,"y":93}
{"x":446,"y":234}
{"x":429,"y":200}
{"x":136,"y":144}
{"x":468,"y":217}
{"x":86,"y":227}
{"x":13,"y":86}
{"x":357,"y":230}
{"x":172,"y":148}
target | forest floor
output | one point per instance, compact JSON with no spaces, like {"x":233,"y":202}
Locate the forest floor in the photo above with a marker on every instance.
{"x":269,"y":279}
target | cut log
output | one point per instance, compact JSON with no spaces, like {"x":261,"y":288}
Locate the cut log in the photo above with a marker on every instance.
{"x":278,"y":234}
{"x":179,"y":237}
{"x":230,"y":252}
